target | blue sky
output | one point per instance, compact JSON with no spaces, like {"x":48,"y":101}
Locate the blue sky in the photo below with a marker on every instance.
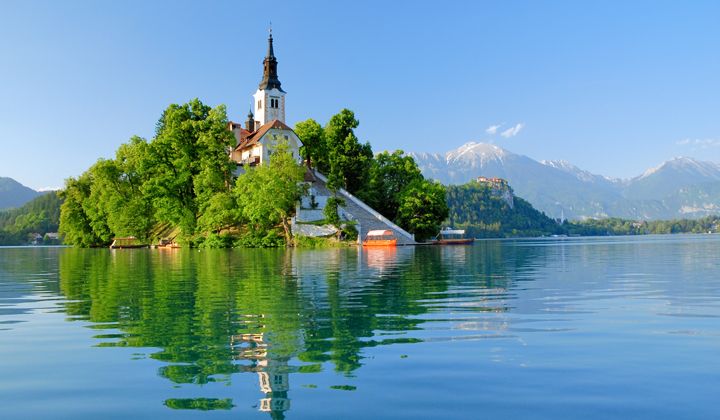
{"x":613,"y":87}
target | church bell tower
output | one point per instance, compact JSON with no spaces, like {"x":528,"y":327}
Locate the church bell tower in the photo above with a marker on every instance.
{"x":269,"y":98}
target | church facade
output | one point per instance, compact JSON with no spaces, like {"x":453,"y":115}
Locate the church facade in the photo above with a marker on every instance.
{"x":264,"y":128}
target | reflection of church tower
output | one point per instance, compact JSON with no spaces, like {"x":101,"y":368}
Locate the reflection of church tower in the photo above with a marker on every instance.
{"x":275,"y":383}
{"x":269,"y":98}
{"x":273,"y":374}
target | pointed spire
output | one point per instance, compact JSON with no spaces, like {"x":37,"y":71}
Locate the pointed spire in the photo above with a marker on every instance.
{"x":270,"y":52}
{"x":270,"y":77}
{"x":250,"y":122}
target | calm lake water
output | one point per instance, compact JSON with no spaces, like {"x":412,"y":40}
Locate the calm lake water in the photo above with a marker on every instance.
{"x":567,"y":328}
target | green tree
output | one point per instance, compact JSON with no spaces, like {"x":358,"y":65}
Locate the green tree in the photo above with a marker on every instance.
{"x":220,"y":213}
{"x":348,"y":160}
{"x":423,"y":207}
{"x":390,"y":175}
{"x":314,"y":148}
{"x":266,"y":195}
{"x":74,"y":221}
{"x":188,"y":162}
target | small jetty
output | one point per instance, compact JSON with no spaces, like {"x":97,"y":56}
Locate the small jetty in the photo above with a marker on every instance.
{"x":127,"y":242}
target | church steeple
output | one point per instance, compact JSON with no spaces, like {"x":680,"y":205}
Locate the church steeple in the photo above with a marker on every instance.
{"x":270,"y":77}
{"x":269,"y":98}
{"x":250,"y":123}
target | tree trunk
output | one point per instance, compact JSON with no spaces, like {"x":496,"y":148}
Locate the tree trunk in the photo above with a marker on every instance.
{"x":288,"y":234}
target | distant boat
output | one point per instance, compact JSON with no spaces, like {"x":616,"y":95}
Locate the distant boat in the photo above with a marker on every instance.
{"x":380,"y":238}
{"x":449,"y":236}
{"x":128,"y":242}
{"x":166,"y":244}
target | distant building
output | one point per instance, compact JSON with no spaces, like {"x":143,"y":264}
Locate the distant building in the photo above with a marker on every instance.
{"x":500,"y":188}
{"x":493,"y":182}
{"x":263,"y":129}
{"x":35,"y":238}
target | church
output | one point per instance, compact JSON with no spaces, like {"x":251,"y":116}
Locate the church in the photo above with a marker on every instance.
{"x":255,"y":140}
{"x":254,"y":144}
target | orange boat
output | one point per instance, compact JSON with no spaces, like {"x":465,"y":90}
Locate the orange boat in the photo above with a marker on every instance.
{"x":449,"y":236}
{"x":380,"y":238}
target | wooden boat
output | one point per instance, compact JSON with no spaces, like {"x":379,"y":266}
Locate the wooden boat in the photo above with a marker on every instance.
{"x":380,"y":238}
{"x":449,"y":236}
{"x":129,"y":242}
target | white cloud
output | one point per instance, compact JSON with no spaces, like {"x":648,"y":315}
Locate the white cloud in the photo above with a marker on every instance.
{"x":513,"y":131}
{"x":492,"y":130}
{"x":699,"y":143}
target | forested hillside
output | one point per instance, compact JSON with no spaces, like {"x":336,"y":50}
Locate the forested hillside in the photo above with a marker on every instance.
{"x":41,"y":215}
{"x":488,"y":212}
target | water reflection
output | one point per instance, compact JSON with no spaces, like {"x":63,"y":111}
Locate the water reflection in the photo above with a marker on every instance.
{"x":277,"y":319}
{"x":274,"y":313}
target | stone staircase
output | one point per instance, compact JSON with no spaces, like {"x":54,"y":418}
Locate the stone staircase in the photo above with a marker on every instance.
{"x":367,"y":219}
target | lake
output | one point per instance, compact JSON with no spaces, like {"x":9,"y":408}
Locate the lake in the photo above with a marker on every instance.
{"x":546,"y":328}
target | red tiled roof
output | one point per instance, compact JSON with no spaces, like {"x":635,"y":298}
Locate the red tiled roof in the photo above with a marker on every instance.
{"x":252,"y":138}
{"x":232,"y":126}
{"x":243,"y":132}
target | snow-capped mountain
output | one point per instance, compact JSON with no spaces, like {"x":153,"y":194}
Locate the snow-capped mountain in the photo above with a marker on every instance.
{"x":671,"y":176}
{"x":580,"y":174}
{"x":682,"y":187}
{"x":688,"y":168}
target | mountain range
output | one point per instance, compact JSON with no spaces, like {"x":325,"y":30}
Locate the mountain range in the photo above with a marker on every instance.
{"x":679,"y":188}
{"x":14,"y":194}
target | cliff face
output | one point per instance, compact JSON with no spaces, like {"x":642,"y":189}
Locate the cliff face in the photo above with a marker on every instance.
{"x":489,"y":208}
{"x":499,"y":188}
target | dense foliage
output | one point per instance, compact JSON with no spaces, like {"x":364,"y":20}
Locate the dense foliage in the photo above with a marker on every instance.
{"x":485,"y":211}
{"x":422,"y":208}
{"x":390,"y":175}
{"x":266,"y":195}
{"x":39,"y":216}
{"x":336,"y":151}
{"x":181,"y":178}
{"x":180,"y":184}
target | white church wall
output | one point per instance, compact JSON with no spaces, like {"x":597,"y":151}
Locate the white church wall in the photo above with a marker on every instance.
{"x":263,"y":111}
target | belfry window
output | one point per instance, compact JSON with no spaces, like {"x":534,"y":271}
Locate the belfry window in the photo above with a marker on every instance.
{"x":259,"y":104}
{"x":274,"y":103}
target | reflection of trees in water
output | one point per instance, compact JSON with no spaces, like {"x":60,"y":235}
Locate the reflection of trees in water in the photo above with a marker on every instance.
{"x":216,"y":313}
